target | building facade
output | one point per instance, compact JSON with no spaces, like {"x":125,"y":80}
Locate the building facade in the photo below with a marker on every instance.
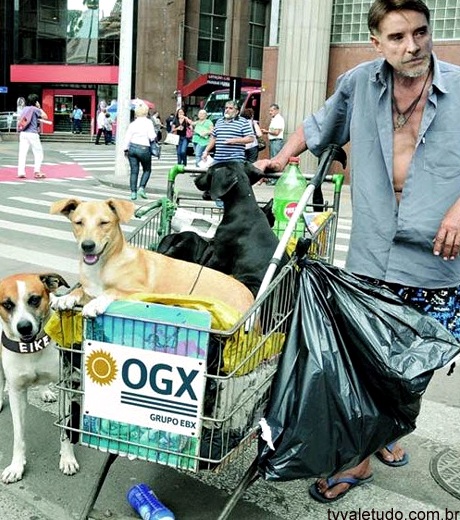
{"x":67,"y":51}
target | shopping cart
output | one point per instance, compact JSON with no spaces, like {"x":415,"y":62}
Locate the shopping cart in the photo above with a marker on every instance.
{"x":203,"y":375}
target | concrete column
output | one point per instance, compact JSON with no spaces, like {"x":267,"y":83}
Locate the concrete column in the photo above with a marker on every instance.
{"x":303,"y":61}
{"x":124,"y":85}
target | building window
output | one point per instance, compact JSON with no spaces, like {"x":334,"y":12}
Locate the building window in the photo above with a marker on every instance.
{"x":211,"y":36}
{"x":257,"y":24}
{"x":349,"y":20}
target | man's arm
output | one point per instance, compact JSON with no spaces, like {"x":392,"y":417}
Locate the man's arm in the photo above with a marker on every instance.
{"x":240,"y":140}
{"x":294,"y":146}
{"x":447,"y":239}
{"x":209,"y":147}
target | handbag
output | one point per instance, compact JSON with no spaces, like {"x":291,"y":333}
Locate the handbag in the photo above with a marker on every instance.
{"x":172,"y":139}
{"x":26,"y":118}
{"x":189,"y":132}
{"x":155,"y":149}
{"x":261,"y":144}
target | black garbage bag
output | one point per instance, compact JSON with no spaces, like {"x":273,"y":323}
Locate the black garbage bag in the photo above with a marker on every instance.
{"x":351,"y":376}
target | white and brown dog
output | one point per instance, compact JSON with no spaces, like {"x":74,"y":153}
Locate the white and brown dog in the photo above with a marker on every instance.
{"x":112,"y":269}
{"x":28,"y":358}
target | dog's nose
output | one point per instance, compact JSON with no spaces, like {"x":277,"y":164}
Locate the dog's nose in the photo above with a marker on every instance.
{"x":25,"y":327}
{"x":88,"y":246}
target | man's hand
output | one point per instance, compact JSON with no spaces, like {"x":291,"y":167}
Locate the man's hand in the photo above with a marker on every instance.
{"x":447,"y":239}
{"x":270,"y":165}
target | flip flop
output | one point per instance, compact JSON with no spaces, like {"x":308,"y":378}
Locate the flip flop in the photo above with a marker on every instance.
{"x":392,"y":463}
{"x":39,"y":175}
{"x":331,"y":482}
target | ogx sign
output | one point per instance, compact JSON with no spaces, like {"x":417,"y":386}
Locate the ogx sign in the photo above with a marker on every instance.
{"x":143,"y":387}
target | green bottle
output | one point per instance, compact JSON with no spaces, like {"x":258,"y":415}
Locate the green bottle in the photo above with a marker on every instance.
{"x":288,"y":190}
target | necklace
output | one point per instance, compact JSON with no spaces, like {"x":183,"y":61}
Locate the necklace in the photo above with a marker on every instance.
{"x":403,"y":117}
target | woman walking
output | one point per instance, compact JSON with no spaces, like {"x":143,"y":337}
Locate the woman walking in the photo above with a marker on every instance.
{"x":252,"y":148}
{"x":137,"y":149}
{"x":202,"y":132}
{"x":179,"y":126}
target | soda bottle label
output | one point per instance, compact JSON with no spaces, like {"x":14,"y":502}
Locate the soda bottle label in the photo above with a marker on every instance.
{"x":289,"y":209}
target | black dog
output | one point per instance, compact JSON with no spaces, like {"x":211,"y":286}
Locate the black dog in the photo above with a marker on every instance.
{"x":186,"y":245}
{"x":244,"y":242}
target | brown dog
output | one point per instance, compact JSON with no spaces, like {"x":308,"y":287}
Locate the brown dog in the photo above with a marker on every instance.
{"x":111,"y":269}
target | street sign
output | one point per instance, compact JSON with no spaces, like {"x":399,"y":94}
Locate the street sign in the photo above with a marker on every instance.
{"x":3,"y":90}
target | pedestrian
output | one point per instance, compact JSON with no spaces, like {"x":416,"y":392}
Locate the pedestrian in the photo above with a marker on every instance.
{"x":101,"y":120}
{"x":275,"y":131}
{"x":77,"y":116}
{"x":29,"y":137}
{"x":169,"y":122}
{"x":158,"y":125}
{"x":136,"y":145}
{"x":202,"y":130}
{"x":230,"y":136}
{"x":400,"y":114}
{"x":108,"y":129}
{"x":179,"y":127}
{"x":252,"y":149}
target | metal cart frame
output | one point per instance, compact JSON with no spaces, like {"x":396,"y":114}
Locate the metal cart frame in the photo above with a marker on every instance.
{"x":241,"y":351}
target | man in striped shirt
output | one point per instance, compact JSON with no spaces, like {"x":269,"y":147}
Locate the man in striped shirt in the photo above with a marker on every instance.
{"x":230,"y":136}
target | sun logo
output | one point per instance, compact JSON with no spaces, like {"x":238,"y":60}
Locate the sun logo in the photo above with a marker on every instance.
{"x":101,"y":367}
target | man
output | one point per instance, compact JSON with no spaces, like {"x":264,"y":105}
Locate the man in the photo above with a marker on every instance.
{"x":400,"y":114}
{"x":77,"y":116}
{"x":230,"y":136}
{"x":275,"y":131}
{"x":30,"y":137}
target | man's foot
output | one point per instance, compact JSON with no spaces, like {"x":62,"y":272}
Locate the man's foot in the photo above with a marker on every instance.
{"x":22,"y":176}
{"x":333,"y":488}
{"x":393,"y":455}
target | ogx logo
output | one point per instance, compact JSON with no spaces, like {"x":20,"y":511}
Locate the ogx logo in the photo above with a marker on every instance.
{"x":162,"y":378}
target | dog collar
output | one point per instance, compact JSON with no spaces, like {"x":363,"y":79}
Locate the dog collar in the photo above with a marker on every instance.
{"x":40,"y":343}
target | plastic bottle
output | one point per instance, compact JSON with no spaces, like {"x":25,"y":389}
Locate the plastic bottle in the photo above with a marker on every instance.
{"x":288,"y":190}
{"x":143,"y":500}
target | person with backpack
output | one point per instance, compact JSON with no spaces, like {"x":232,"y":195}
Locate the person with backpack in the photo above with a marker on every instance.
{"x":29,"y":137}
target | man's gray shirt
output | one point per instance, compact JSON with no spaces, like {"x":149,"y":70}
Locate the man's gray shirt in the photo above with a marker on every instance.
{"x":390,"y":243}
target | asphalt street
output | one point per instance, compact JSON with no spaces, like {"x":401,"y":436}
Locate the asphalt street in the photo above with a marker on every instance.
{"x":427,"y":488}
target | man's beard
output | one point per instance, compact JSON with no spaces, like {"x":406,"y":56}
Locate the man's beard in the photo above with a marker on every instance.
{"x":416,"y":73}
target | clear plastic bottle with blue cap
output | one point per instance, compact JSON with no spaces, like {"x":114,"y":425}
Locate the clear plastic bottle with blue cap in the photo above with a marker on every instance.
{"x":142,"y":499}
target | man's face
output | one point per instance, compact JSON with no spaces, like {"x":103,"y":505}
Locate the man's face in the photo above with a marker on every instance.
{"x":405,"y":41}
{"x":272,"y":111}
{"x":230,"y":112}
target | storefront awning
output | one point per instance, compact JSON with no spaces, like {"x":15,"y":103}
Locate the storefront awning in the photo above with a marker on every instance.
{"x":207,"y":83}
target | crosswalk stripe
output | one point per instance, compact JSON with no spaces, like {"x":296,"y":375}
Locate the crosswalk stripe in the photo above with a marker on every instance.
{"x":37,"y":231}
{"x":51,"y":262}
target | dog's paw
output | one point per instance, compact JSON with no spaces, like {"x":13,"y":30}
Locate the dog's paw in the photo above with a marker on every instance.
{"x":68,"y":463}
{"x":47,"y":395}
{"x":97,"y":306}
{"x":13,"y":472}
{"x":63,"y":303}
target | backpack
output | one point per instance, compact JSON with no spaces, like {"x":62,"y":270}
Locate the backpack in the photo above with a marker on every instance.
{"x":26,"y":118}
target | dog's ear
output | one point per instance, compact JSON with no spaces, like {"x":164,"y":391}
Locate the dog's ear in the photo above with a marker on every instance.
{"x":223,"y":180}
{"x":124,"y":209}
{"x":52,"y":281}
{"x":64,"y":206}
{"x":203,"y":181}
{"x":253,"y":173}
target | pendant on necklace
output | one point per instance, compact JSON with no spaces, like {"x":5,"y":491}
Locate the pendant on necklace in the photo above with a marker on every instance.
{"x":401,"y":120}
